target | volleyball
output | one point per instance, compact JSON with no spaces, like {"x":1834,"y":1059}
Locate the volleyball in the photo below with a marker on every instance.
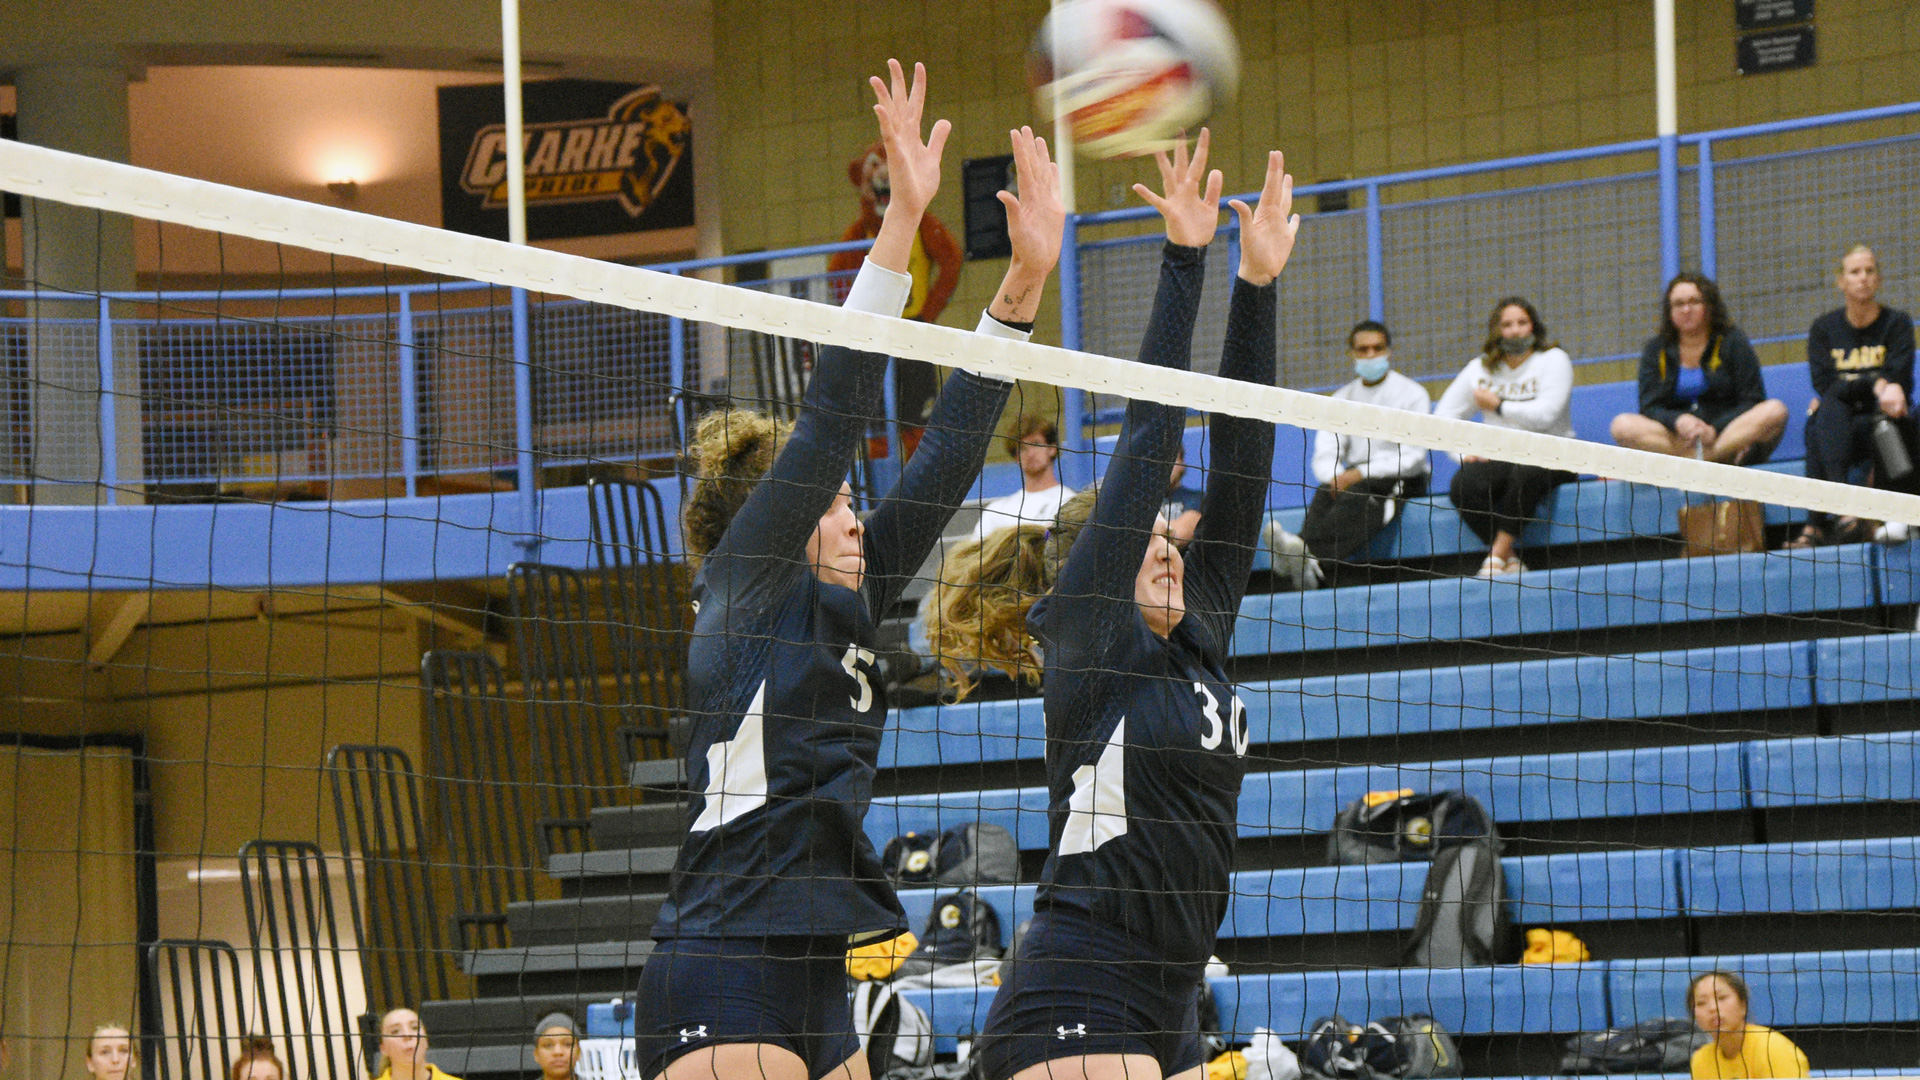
{"x":1131,"y":75}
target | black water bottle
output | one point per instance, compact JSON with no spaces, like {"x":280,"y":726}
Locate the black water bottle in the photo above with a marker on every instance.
{"x":1891,"y":447}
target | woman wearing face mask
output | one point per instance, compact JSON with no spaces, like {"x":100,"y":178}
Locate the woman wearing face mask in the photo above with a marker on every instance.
{"x":776,"y":877}
{"x":1519,"y":380}
{"x":1364,"y":481}
{"x":1718,"y":1000}
{"x":1145,"y":736}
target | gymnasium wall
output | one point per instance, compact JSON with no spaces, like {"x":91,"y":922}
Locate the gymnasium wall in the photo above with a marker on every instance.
{"x":1346,"y":87}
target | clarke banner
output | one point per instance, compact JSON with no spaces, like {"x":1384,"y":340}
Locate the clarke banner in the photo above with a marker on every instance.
{"x":601,"y":158}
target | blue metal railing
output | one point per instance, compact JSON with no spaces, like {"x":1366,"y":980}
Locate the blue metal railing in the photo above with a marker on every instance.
{"x":406,"y":307}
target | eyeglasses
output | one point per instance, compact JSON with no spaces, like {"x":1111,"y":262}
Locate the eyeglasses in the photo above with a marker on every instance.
{"x":1686,"y":302}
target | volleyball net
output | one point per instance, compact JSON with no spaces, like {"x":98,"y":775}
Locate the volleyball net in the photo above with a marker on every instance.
{"x":362,"y":558}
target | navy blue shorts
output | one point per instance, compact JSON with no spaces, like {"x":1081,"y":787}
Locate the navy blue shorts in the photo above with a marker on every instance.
{"x":1079,"y":988}
{"x":790,"y":992}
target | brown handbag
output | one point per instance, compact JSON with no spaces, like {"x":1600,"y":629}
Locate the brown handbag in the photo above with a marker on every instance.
{"x":1723,"y":527}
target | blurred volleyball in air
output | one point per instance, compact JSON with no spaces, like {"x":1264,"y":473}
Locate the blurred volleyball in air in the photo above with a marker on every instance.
{"x":1131,"y":75}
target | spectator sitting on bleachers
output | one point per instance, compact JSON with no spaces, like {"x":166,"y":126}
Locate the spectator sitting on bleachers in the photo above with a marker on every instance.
{"x":1701,"y":393}
{"x":556,"y":1046}
{"x":403,"y":1048}
{"x":257,"y":1061}
{"x":110,"y":1053}
{"x":1181,"y":507}
{"x":1719,"y":1002}
{"x":1036,"y":446}
{"x":1860,"y":361}
{"x":1521,"y":379}
{"x":1364,"y":481}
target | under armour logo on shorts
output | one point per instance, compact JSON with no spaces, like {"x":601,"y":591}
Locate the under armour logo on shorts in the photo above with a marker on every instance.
{"x":1078,"y":1031}
{"x":692,"y":1033}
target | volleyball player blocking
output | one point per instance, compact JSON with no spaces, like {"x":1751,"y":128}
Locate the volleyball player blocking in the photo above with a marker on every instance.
{"x":776,"y":877}
{"x":1146,"y":739}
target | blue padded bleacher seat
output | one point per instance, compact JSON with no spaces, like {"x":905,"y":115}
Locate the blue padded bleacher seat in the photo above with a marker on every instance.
{"x":1585,"y":886}
{"x":1569,"y":689}
{"x":1527,"y":788}
{"x":1828,"y":875}
{"x":1573,"y":598}
{"x":1876,"y":667}
{"x":1469,"y":1001}
{"x":1007,"y":730}
{"x":1900,"y":573}
{"x":1838,"y":769}
{"x":1861,"y":986}
{"x":1542,"y":787}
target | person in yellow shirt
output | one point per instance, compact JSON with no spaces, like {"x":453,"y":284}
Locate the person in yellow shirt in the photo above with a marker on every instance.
{"x":403,"y":1048}
{"x":1739,"y":1049}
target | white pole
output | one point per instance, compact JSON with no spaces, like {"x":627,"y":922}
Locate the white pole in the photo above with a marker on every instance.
{"x":1666,"y":97}
{"x":1062,"y":131}
{"x":516,"y":140}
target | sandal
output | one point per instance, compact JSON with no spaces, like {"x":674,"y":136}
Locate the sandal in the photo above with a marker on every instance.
{"x":1494,"y":567}
{"x":1810,"y":537}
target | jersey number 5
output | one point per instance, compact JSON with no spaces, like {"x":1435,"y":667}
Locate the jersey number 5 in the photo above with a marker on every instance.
{"x":1216,"y":729}
{"x":855,"y":657}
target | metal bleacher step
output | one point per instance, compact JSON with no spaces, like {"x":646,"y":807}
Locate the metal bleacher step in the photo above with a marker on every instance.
{"x":617,"y":872}
{"x":496,"y":1022}
{"x":653,"y":824}
{"x":587,"y":969}
{"x":583,"y":918}
{"x":661,"y":773}
{"x":484,"y":1061}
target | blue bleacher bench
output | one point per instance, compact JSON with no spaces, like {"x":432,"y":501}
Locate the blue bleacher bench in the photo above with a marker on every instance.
{"x":1859,"y":986}
{"x":1827,"y":875}
{"x":1542,"y":787}
{"x":1660,"y":592}
{"x":1874,"y":667}
{"x":1690,"y":682}
{"x":1838,"y":769}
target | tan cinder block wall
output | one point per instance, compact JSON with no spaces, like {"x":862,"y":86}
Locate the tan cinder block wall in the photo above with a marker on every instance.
{"x":1346,"y":87}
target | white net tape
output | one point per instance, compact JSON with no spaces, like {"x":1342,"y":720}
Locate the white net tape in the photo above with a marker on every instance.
{"x":143,"y":193}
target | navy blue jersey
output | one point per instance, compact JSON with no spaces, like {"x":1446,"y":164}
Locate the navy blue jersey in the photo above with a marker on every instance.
{"x":787,"y":707}
{"x":1146,"y":740}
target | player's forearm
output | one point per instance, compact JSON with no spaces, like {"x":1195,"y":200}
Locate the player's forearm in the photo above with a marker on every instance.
{"x":1018,"y":298}
{"x":893,"y":248}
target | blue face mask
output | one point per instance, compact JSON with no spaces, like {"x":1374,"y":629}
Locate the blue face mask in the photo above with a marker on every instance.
{"x":1373,"y":368}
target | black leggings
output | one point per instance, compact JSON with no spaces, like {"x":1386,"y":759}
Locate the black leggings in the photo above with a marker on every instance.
{"x":1339,"y":524}
{"x":1840,"y":437}
{"x":1499,"y":496}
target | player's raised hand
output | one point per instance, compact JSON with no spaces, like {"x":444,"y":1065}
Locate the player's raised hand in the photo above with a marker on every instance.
{"x":913,"y":166}
{"x":1036,"y":216}
{"x":1267,"y":232}
{"x":1190,"y":195}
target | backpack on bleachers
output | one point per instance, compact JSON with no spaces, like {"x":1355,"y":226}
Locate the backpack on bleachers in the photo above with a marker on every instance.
{"x":1398,"y":826}
{"x":893,"y":1031}
{"x":1399,"y":1047}
{"x":908,"y":859}
{"x":961,"y":929}
{"x":1409,"y":1048}
{"x":1463,"y":920}
{"x":1663,"y":1045}
{"x":976,"y":854}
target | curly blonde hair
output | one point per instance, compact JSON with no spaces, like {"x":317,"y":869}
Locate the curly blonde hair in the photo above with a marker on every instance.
{"x":978,"y":613}
{"x":731,"y":452}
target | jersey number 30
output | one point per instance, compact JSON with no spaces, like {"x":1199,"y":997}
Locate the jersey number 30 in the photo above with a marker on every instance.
{"x":1216,"y":729}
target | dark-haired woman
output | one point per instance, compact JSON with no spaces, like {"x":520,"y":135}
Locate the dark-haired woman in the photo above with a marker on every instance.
{"x":1145,"y":735}
{"x":1701,"y":394}
{"x":1519,"y":380}
{"x":776,"y":878}
{"x":1860,"y":360}
{"x":1739,"y":1050}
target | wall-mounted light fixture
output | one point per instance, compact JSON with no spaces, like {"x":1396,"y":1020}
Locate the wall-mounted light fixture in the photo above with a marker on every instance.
{"x":345,"y":189}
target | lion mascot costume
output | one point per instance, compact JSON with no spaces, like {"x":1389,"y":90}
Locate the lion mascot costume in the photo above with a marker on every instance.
{"x":934,"y":265}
